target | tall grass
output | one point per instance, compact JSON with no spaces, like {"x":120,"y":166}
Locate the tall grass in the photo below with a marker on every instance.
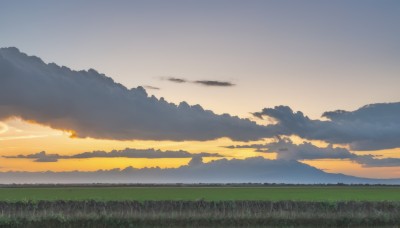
{"x":197,"y":213}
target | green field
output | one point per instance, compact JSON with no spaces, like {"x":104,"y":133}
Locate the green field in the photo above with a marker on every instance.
{"x":200,"y":206}
{"x":342,"y":193}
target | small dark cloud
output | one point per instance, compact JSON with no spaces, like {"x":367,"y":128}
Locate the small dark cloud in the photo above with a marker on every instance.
{"x":151,"y":87}
{"x":258,"y":115}
{"x":49,"y":159}
{"x":126,"y":153}
{"x":214,"y":83}
{"x":39,"y":157}
{"x":251,"y":146}
{"x":177,"y":80}
{"x":200,"y":82}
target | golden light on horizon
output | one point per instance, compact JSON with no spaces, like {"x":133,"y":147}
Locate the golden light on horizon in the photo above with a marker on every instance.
{"x":349,"y":167}
{"x":21,"y":137}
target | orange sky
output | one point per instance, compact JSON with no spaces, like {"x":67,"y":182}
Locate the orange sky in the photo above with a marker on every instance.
{"x":19,"y":137}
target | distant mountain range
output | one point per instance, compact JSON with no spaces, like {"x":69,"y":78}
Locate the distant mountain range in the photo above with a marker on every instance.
{"x":251,"y":170}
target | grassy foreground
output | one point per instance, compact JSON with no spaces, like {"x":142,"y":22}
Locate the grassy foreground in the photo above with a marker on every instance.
{"x":308,"y":193}
{"x":198,"y":214}
{"x":293,"y":206}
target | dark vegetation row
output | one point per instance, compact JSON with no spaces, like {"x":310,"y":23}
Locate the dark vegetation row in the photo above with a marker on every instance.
{"x":100,"y":222}
{"x":197,"y":213}
{"x":189,"y":185}
{"x":216,"y":208}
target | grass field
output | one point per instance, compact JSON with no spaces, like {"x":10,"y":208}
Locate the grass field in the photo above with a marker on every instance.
{"x":199,"y":214}
{"x":342,"y":193}
{"x":174,"y":206}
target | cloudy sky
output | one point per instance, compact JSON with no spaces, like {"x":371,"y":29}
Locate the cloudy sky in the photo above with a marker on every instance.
{"x":162,"y":83}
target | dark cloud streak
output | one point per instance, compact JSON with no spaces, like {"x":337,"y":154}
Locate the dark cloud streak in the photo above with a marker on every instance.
{"x":151,"y":87}
{"x":201,"y":82}
{"x":177,"y":80}
{"x":126,"y":153}
{"x":215,"y":83}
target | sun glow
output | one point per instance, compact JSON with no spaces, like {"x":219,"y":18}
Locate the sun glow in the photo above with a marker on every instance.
{"x":21,"y":137}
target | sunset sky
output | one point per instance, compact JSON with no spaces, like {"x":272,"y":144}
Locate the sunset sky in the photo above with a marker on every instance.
{"x":280,"y":69}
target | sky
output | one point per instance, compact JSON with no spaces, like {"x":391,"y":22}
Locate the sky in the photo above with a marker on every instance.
{"x":262,"y":61}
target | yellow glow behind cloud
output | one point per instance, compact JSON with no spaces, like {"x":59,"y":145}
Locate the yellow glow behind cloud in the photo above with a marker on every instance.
{"x":3,"y":128}
{"x":26,"y":138}
{"x":351,"y":168}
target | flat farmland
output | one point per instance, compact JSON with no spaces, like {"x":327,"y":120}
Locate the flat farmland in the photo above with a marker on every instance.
{"x":308,"y":193}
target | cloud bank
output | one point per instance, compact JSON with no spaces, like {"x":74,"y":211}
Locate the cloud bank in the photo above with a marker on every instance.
{"x":285,"y":149}
{"x":254,"y":170}
{"x":372,"y":127}
{"x":89,"y":104}
{"x":126,"y":153}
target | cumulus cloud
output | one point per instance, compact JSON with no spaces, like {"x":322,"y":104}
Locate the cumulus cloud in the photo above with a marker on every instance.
{"x":214,"y":83}
{"x":285,"y":149}
{"x":89,"y":104}
{"x":254,"y":170}
{"x":126,"y":153}
{"x":372,"y":127}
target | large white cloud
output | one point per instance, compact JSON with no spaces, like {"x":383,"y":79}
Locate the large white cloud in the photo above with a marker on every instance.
{"x":93,"y":105}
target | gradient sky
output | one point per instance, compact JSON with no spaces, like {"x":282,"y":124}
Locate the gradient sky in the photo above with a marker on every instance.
{"x":313,"y":56}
